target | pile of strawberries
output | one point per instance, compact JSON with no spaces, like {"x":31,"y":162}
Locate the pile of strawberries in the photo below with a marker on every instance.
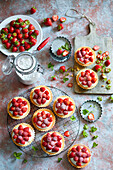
{"x":48,"y":21}
{"x":19,"y":35}
{"x":18,"y":107}
{"x":22,"y":134}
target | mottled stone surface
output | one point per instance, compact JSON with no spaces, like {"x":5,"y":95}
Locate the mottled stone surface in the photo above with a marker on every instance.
{"x":101,"y":12}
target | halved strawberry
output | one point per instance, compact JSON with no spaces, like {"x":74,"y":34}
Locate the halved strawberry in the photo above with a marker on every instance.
{"x":66,"y":133}
{"x":98,"y":67}
{"x":65,"y":53}
{"x":91,"y":116}
{"x":62,"y":19}
{"x":55,"y":17}
{"x":96,"y":47}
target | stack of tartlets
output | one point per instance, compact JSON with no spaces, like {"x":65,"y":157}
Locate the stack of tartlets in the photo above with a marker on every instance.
{"x":86,"y":78}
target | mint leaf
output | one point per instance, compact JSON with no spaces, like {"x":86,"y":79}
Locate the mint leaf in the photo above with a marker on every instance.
{"x":65,"y":79}
{"x":34,"y":148}
{"x":85,"y":111}
{"x":111,"y":98}
{"x":73,"y":118}
{"x":50,"y":65}
{"x":17,"y":155}
{"x":95,"y":137}
{"x":85,"y":134}
{"x":94,"y":144}
{"x":93,"y":129}
{"x":99,"y":98}
{"x":66,"y":46}
{"x":85,"y":127}
{"x":59,"y":159}
{"x":25,"y":160}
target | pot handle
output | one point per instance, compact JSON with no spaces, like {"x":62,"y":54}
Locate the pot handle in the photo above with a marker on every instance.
{"x":8,"y":65}
{"x":40,"y":69}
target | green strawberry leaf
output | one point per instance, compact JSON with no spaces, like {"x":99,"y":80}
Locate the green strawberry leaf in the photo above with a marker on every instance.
{"x":59,"y":159}
{"x":72,"y":118}
{"x":93,"y":129}
{"x":94,"y":144}
{"x":85,"y":134}
{"x":34,"y":148}
{"x":95,"y":137}
{"x":65,"y":79}
{"x":50,"y":65}
{"x":25,"y":160}
{"x":99,"y":98}
{"x":85,"y":127}
{"x":85,"y":111}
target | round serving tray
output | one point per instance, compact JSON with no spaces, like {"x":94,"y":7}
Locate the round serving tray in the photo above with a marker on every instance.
{"x":61,"y":126}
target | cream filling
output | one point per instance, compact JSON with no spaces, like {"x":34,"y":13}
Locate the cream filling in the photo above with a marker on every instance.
{"x":30,"y":138}
{"x":93,"y":84}
{"x":64,"y":106}
{"x":42,"y":93}
{"x":22,"y":107}
{"x":47,"y":120}
{"x":74,"y":162}
{"x":50,"y":151}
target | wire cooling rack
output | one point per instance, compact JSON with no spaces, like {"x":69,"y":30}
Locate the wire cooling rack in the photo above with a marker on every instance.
{"x":61,"y":126}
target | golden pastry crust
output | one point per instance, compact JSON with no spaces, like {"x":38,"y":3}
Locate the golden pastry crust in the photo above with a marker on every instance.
{"x":64,"y":116}
{"x":84,"y":87}
{"x":28,"y":143}
{"x":42,"y":105}
{"x":72,"y":162}
{"x":18,"y":117}
{"x":53,"y":152}
{"x":47,"y":128}
{"x":89,"y":63}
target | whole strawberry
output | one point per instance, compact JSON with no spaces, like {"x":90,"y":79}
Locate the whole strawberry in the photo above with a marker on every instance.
{"x":60,"y":27}
{"x":33,"y":10}
{"x":47,"y":22}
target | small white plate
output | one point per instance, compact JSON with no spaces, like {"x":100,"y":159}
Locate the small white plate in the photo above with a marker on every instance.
{"x":24,"y":17}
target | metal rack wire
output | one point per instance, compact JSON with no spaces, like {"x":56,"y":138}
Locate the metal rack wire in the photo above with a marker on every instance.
{"x":61,"y":125}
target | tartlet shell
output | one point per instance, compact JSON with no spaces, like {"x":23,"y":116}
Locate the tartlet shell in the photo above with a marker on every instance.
{"x":55,"y":152}
{"x":42,"y":105}
{"x":88,"y":64}
{"x":25,"y":124}
{"x":48,"y":128}
{"x":63,"y":116}
{"x":72,"y":162}
{"x":77,"y":79}
{"x":19,"y":117}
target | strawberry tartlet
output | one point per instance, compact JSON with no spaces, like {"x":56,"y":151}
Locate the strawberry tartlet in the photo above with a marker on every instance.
{"x":43,"y":119}
{"x":79,"y":156}
{"x":23,"y":134}
{"x":85,"y":56}
{"x":41,"y":96}
{"x":52,"y":143}
{"x":18,"y":108}
{"x":87,"y":79}
{"x":64,"y":106}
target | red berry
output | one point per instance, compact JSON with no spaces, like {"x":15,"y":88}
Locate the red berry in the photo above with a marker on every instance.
{"x":37,"y":91}
{"x":43,"y":100}
{"x":60,"y":27}
{"x":9,"y":36}
{"x":31,"y":27}
{"x":107,"y":63}
{"x":17,"y":140}
{"x":65,"y":53}
{"x":24,"y":109}
{"x":19,"y":36}
{"x":59,"y":51}
{"x":76,"y":158}
{"x":47,"y":22}
{"x":21,"y":49}
{"x":72,"y":154}
{"x":55,"y":17}
{"x":15,"y":113}
{"x":27,"y":45}
{"x":26,"y":35}
{"x":11,"y":29}
{"x":36,"y":32}
{"x":14,"y":39}
{"x":62,"y":19}
{"x":94,"y":79}
{"x":107,"y":53}
{"x":78,"y":148}
{"x":14,"y":49}
{"x":26,"y":138}
{"x":73,"y":149}
{"x":15,"y":137}
{"x":33,"y":10}
{"x":33,"y":41}
{"x":20,"y":132}
{"x":84,"y":149}
{"x":42,"y":89}
{"x":15,"y":131}
{"x":60,"y":100}
{"x":26,"y":129}
{"x":4,"y":40}
{"x":44,"y":144}
{"x":70,"y":85}
{"x":23,"y":142}
{"x":96,"y":47}
{"x":39,"y":100}
{"x":85,"y":160}
{"x":55,"y":149}
{"x":98,"y":67}
{"x":78,"y":164}
{"x":4,"y":30}
{"x":62,"y":69}
{"x":66,"y":133}
{"x":12,"y":23}
{"x":20,"y":127}
{"x":17,"y":43}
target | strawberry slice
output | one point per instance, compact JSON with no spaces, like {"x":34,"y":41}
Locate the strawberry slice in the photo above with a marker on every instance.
{"x":66,"y":133}
{"x":91,"y":116}
{"x":62,"y":19}
{"x":96,"y":47}
{"x":55,"y":17}
{"x":65,"y":53}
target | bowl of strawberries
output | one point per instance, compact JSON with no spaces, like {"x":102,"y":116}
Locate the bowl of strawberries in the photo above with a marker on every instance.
{"x":19,"y":33}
